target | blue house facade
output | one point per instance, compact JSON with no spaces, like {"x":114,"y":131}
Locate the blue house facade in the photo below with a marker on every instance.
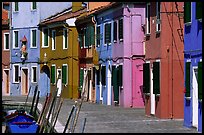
{"x":193,"y":65}
{"x":25,"y":44}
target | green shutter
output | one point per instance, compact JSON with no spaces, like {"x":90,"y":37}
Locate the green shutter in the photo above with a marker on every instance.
{"x":46,"y":37}
{"x":187,"y":79}
{"x":146,"y":78}
{"x":120,"y":75}
{"x":16,"y":6}
{"x":199,"y":10}
{"x":16,"y":38}
{"x":187,"y":12}
{"x":65,"y":38}
{"x":103,"y":74}
{"x":87,"y":37}
{"x":156,"y":77}
{"x":81,"y":40}
{"x":120,"y":29}
{"x":34,"y":38}
{"x":115,"y":31}
{"x":64,"y":74}
{"x":34,"y":5}
{"x":81,"y":78}
{"x":113,"y":68}
{"x":52,"y":74}
{"x":199,"y":80}
{"x":107,"y":33}
{"x":115,"y":84}
{"x":92,"y":33}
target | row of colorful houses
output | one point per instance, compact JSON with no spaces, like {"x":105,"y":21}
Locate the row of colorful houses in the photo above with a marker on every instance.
{"x":139,"y":54}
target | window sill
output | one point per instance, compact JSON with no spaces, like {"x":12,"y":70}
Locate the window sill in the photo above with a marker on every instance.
{"x":115,"y":41}
{"x":158,"y":32}
{"x":157,"y":95}
{"x":187,"y":24}
{"x":45,"y":46}
{"x":147,"y":94}
{"x":147,"y":34}
{"x":187,"y":98}
{"x":33,"y":47}
{"x":16,"y":82}
{"x":33,"y":10}
{"x":34,"y":82}
{"x":121,"y":40}
{"x":200,"y":20}
{"x":200,"y":100}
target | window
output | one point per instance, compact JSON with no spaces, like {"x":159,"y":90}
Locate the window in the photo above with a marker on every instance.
{"x":148,"y":18}
{"x":16,"y":6}
{"x":87,"y":37}
{"x":65,"y":39}
{"x":45,"y":38}
{"x":98,"y":77}
{"x":115,"y":31}
{"x":6,"y":41}
{"x":92,"y":35}
{"x":200,"y":80}
{"x":15,"y":40}
{"x":34,"y":5}
{"x":98,"y":37}
{"x":156,"y":78}
{"x":146,"y":78}
{"x":16,"y":73}
{"x":158,"y":21}
{"x":34,"y":74}
{"x":187,"y":79}
{"x":81,"y":40}
{"x":199,"y":10}
{"x":33,"y":38}
{"x":53,"y":40}
{"x":120,"y":27}
{"x":107,"y":39}
{"x":53,"y":74}
{"x":103,"y":75}
{"x":64,"y":73}
{"x":187,"y":12}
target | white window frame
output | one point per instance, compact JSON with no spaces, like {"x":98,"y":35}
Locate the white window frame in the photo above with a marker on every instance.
{"x":14,"y":7}
{"x":14,"y":39}
{"x":67,"y":73}
{"x":64,"y":38}
{"x":53,"y":65}
{"x":32,"y":7}
{"x":158,"y":21}
{"x":31,"y":38}
{"x":6,"y":33}
{"x":14,"y":73}
{"x":148,"y":28}
{"x":32,"y":75}
{"x":53,"y":40}
{"x":43,"y":38}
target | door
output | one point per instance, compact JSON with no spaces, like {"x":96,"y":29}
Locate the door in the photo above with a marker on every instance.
{"x":6,"y":82}
{"x":151,"y":94}
{"x":24,"y":82}
{"x":115,"y":84}
{"x":195,"y":98}
{"x":59,"y":82}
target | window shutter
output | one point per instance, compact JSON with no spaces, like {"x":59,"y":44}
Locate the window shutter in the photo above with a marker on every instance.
{"x":64,"y":74}
{"x":80,"y":40}
{"x":87,"y":37}
{"x":45,"y":37}
{"x":198,"y":10}
{"x":199,"y":80}
{"x":16,"y":38}
{"x":120,"y":75}
{"x":7,"y":41}
{"x":98,"y":35}
{"x":108,"y":33}
{"x":53,"y":74}
{"x":146,"y":78}
{"x":103,"y":74}
{"x":65,"y":35}
{"x":92,"y":33}
{"x":81,"y":77}
{"x":34,"y":38}
{"x":112,"y":77}
{"x":98,"y":76}
{"x":187,"y":79}
{"x":187,"y":12}
{"x":34,"y":5}
{"x":16,"y":6}
{"x":115,"y":31}
{"x":120,"y":29}
{"x":156,"y":77}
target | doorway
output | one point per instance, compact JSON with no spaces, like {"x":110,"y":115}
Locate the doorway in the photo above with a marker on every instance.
{"x":24,"y":82}
{"x":6,"y":82}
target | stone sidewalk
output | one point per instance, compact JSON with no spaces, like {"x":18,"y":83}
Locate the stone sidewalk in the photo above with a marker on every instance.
{"x":112,"y":119}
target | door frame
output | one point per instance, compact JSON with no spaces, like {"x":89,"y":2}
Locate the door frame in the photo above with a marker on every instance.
{"x":22,"y":72}
{"x":194,"y":98}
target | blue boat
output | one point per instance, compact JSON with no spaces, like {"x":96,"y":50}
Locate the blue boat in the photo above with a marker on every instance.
{"x":21,"y":122}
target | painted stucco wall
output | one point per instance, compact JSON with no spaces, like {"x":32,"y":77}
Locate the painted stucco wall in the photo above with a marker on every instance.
{"x":192,"y":42}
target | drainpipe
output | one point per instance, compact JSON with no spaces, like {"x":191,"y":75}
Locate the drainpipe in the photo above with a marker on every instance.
{"x":93,"y":19}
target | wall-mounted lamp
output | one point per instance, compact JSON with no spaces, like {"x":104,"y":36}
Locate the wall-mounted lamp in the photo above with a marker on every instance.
{"x":45,"y":59}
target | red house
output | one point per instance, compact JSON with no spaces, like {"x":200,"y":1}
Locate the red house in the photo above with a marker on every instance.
{"x":163,"y":78}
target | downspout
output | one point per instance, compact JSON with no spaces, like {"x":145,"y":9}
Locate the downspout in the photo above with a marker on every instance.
{"x":93,"y":19}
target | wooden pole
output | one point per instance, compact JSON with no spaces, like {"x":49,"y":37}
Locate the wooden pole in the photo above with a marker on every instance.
{"x":36,"y":104}
{"x":35,"y":92}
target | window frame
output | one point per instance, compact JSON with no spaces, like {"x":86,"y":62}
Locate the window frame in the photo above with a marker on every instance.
{"x":53,"y":40}
{"x":5,"y":41}
{"x":43,"y":43}
{"x":31,"y":41}
{"x":66,"y":74}
{"x":32,"y":74}
{"x":65,"y":29}
{"x":14,"y":73}
{"x":14,"y":39}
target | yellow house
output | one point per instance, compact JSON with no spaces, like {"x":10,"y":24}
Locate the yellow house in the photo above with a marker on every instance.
{"x":59,"y":52}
